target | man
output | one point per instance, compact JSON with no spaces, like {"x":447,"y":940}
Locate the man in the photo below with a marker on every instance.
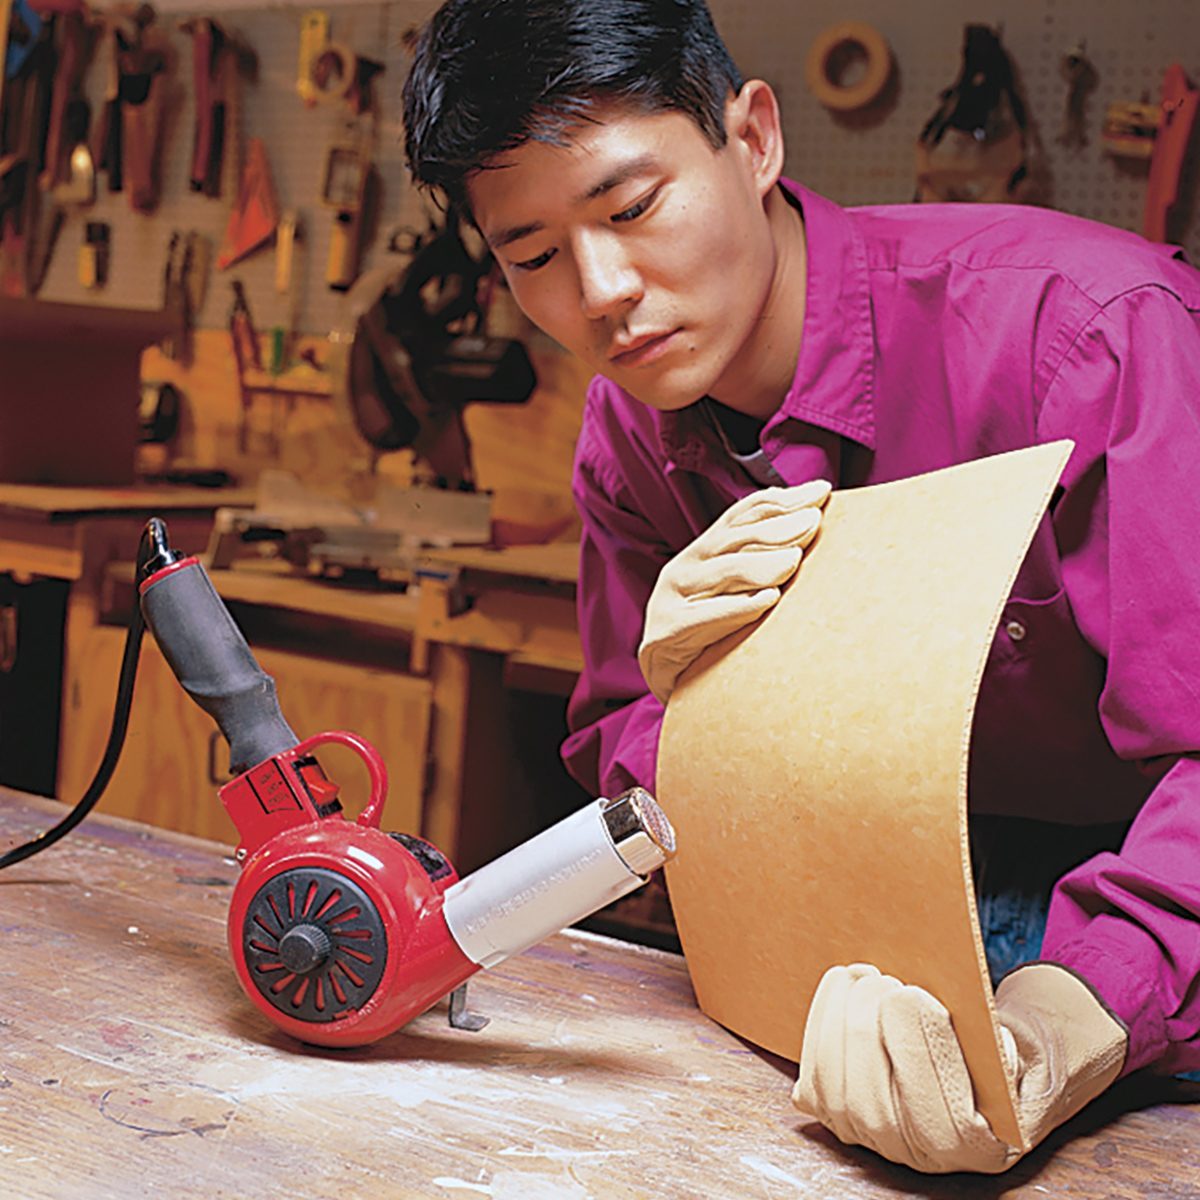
{"x":752,"y":340}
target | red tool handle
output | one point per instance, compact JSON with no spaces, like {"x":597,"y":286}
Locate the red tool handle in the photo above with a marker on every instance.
{"x":376,"y":769}
{"x":1179,"y":105}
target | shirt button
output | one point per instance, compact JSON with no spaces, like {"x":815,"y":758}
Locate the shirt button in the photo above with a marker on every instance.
{"x":1015,"y":630}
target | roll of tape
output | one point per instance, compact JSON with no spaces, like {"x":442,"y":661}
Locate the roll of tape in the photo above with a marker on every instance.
{"x":331,"y":72}
{"x":832,"y":50}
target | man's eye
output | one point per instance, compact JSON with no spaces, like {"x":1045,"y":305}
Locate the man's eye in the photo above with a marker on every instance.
{"x":534,"y":264}
{"x":635,"y":210}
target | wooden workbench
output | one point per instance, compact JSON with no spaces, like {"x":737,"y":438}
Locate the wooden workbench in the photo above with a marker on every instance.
{"x":51,"y":530}
{"x":132,"y":1066}
{"x":72,"y":534}
{"x":428,"y":682}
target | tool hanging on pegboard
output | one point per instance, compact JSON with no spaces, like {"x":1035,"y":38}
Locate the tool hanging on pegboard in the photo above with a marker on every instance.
{"x":1130,"y":127}
{"x":247,"y":354}
{"x":29,"y":76}
{"x":1176,"y":118}
{"x":141,"y":91}
{"x":214,"y":73}
{"x":314,"y":34}
{"x":5,"y":14}
{"x":1081,"y":77}
{"x":346,"y":188}
{"x":72,"y":38}
{"x":849,"y":66}
{"x":185,"y":281}
{"x":289,"y":255}
{"x":338,"y":75}
{"x":333,"y":74}
{"x":976,"y":147}
{"x":20,"y":30}
{"x":68,"y":176}
{"x":254,"y":213}
{"x":1159,"y":133}
{"x":118,"y":31}
{"x":254,"y":216}
{"x":93,"y":255}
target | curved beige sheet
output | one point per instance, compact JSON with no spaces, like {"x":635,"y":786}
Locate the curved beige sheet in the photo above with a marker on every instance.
{"x":815,"y":765}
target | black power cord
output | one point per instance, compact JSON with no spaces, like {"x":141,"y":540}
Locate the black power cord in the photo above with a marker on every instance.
{"x":153,"y":554}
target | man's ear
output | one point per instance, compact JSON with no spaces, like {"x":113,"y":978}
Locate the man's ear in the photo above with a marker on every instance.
{"x":753,"y":125}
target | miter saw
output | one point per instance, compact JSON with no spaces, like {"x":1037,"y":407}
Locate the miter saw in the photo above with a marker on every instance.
{"x":420,"y":354}
{"x":414,"y":354}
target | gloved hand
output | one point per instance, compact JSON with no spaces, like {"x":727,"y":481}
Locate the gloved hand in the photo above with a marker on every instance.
{"x":882,"y":1067}
{"x":729,"y":576}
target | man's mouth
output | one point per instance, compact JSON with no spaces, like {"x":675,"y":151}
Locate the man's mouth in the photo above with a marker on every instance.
{"x":641,"y":350}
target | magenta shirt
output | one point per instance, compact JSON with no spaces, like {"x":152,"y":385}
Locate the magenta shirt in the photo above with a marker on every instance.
{"x":933,"y":335}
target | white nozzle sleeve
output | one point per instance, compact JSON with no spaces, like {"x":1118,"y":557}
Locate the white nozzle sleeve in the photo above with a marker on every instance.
{"x":593,"y":857}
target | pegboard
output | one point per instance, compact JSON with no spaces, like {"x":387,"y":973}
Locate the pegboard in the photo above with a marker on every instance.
{"x":865,"y":158}
{"x":297,"y":139}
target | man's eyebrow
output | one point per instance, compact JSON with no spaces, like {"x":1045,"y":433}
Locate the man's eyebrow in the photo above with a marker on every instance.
{"x":614,"y":179}
{"x":626,"y":170}
{"x":515,"y":234}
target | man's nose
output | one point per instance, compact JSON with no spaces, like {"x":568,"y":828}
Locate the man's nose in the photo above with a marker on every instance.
{"x":608,"y":279}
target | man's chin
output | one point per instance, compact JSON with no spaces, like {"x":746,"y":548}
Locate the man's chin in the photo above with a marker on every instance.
{"x":661,"y":394}
{"x":668,"y":404}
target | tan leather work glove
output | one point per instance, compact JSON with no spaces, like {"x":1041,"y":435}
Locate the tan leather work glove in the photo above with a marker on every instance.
{"x":882,"y":1067}
{"x":729,"y":576}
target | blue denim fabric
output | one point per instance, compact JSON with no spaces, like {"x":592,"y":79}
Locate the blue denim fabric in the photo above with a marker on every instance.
{"x":1016,"y":863}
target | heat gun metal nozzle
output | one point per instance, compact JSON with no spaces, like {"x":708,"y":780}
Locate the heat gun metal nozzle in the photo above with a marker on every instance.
{"x":640,"y":831}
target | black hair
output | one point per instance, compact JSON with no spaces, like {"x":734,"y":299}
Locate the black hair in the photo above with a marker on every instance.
{"x":490,"y":75}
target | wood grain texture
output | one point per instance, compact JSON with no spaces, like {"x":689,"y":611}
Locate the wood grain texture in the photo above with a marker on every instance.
{"x":132,"y":1066}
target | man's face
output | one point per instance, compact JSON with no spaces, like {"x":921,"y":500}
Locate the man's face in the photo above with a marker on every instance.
{"x":637,"y":246}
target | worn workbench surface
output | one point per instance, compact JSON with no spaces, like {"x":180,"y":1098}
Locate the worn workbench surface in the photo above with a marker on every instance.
{"x":132,"y":1066}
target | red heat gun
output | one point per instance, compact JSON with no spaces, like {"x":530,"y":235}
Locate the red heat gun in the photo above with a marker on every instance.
{"x":342,"y":933}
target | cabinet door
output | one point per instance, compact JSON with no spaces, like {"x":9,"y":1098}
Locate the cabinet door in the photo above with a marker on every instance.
{"x":174,"y":758}
{"x":388,"y":708}
{"x":169,"y":771}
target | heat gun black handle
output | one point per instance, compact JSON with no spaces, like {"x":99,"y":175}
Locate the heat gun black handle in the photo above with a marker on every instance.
{"x":213,"y":662}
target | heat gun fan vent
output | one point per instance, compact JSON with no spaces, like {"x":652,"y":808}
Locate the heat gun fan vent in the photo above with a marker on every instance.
{"x":314,"y":944}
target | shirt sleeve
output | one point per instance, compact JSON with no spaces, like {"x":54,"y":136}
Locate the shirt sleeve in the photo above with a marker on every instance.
{"x":1128,"y":392}
{"x":613,"y":719}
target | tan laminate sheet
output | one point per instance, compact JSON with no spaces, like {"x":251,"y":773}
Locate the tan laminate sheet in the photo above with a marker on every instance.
{"x":815,"y":764}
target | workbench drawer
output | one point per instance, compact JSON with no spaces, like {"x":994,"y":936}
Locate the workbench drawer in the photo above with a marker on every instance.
{"x":175,"y":759}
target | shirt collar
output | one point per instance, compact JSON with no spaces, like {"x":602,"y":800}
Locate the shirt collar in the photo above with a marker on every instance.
{"x":833,"y":386}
